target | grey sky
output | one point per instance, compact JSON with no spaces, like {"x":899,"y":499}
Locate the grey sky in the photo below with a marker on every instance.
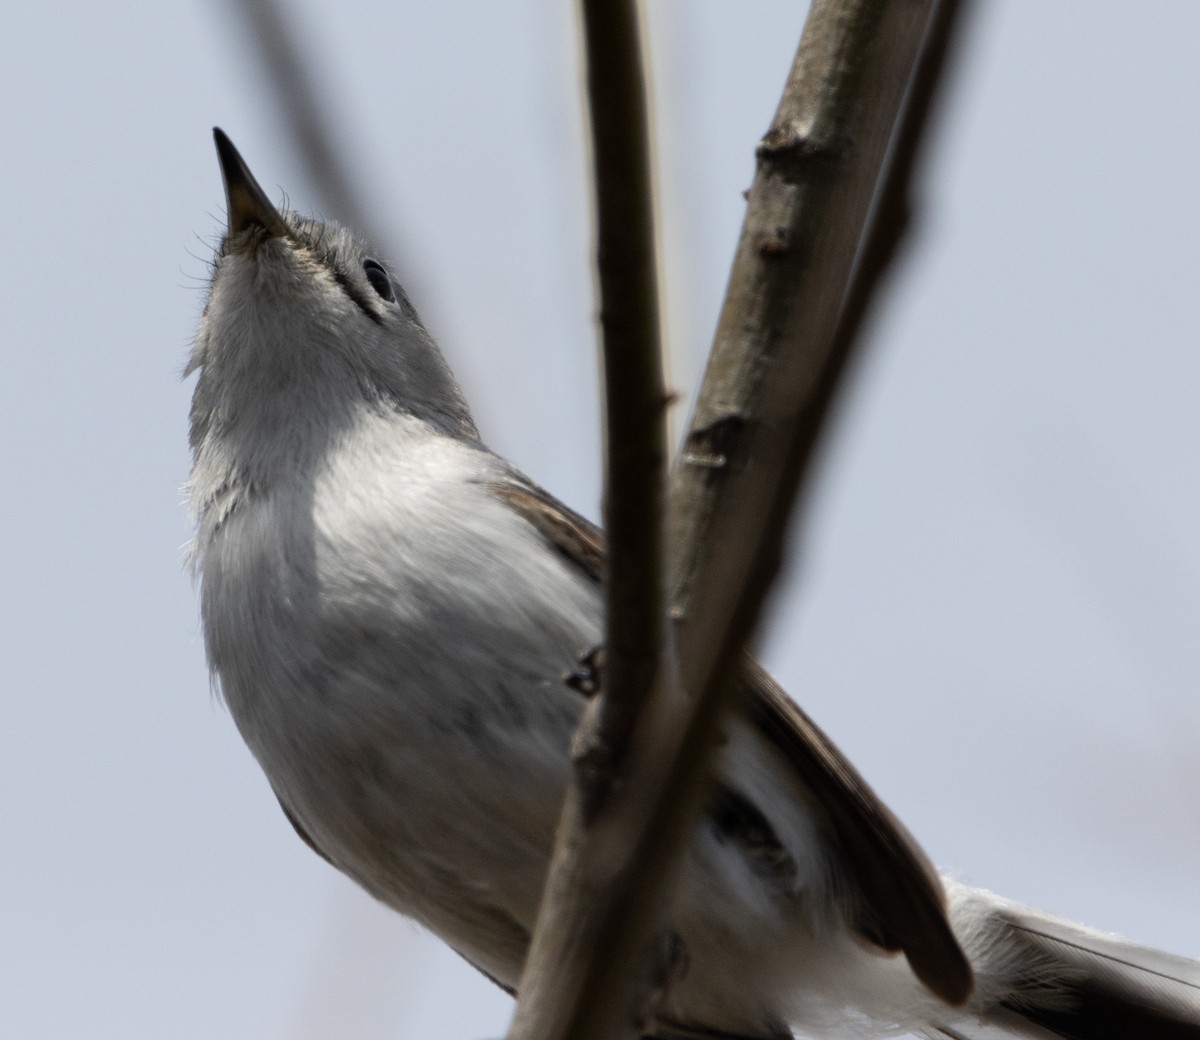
{"x":1001,"y":587}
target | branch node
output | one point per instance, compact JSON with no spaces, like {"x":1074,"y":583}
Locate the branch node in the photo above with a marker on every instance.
{"x":710,"y":446}
{"x":774,"y":244}
{"x":704,"y":461}
{"x":790,"y":151}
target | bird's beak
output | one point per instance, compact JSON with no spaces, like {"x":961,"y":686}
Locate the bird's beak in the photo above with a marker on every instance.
{"x":247,"y":203}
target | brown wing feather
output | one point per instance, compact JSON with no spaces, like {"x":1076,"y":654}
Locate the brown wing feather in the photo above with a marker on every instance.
{"x":577,"y":539}
{"x":900,"y":904}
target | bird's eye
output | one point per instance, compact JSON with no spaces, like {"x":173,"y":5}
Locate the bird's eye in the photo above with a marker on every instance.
{"x":379,"y":280}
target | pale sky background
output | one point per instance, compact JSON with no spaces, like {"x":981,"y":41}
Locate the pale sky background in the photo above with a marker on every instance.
{"x":999,"y":617}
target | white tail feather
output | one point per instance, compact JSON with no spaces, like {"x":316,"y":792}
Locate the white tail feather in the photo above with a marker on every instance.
{"x":1039,"y":977}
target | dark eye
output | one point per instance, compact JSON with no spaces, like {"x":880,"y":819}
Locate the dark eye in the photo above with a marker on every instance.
{"x":379,"y":280}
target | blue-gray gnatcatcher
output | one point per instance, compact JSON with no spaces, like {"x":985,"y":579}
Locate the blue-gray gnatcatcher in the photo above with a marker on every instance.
{"x":389,"y":609}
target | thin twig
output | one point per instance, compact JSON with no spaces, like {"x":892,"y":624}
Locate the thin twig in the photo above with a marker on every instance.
{"x":296,"y":94}
{"x":634,"y":396}
{"x":793,"y":308}
{"x":562,"y":968}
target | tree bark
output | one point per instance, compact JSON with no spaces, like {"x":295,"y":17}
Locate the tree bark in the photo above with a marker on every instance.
{"x":799,"y":286}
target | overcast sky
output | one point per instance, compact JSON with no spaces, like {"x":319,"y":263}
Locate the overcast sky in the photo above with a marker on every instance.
{"x":999,"y":603}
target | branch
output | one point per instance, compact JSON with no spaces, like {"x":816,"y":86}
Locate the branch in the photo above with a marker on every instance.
{"x":794,"y":306}
{"x":635,"y":398}
{"x":569,"y":959}
{"x":796,"y":295}
{"x":297,"y":97}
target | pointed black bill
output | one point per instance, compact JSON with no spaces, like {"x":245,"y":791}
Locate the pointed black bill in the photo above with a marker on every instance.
{"x":247,"y":203}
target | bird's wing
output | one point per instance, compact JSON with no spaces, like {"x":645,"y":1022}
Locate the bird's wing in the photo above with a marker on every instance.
{"x":900,"y":904}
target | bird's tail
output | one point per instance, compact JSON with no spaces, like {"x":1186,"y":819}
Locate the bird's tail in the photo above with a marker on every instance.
{"x":1043,"y":978}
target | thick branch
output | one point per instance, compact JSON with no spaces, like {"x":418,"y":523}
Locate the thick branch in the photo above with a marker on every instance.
{"x":864,"y":68}
{"x":804,"y":275}
{"x":825,"y":216}
{"x":791,"y":313}
{"x":818,"y":166}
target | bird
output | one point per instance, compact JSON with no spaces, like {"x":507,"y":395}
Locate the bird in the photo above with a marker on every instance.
{"x":389,"y":610}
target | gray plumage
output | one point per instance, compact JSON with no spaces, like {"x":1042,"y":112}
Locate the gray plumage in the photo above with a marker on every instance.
{"x":388,"y":611}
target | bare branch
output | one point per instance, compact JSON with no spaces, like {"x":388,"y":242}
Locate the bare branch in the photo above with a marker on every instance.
{"x":635,"y":398}
{"x":825,"y":216}
{"x":776,"y":343}
{"x":563,"y":968}
{"x":793,"y":308}
{"x":298,"y":99}
{"x":892,"y":217}
{"x":803,"y":277}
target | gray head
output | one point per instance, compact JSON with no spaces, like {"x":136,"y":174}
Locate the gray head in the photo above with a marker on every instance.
{"x":303,"y":331}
